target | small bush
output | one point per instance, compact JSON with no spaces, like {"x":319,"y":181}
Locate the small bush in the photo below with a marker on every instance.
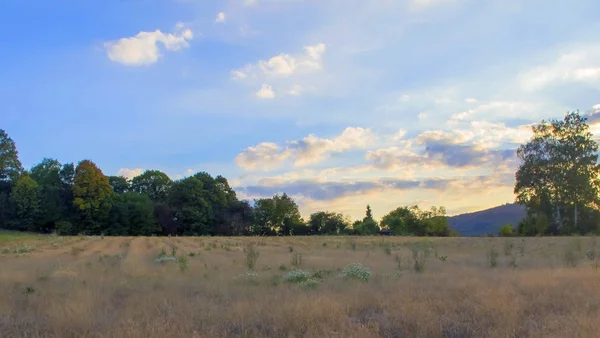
{"x":251,"y":257}
{"x":165,"y":259}
{"x":399,"y":262}
{"x":296,"y":276}
{"x":192,"y":254}
{"x":443,"y":258}
{"x":296,"y":259}
{"x":282,"y":267}
{"x":321,"y":274}
{"x":356,"y":271}
{"x":387,"y":248}
{"x":310,"y":283}
{"x":419,"y":263}
{"x":22,"y":249}
{"x":183,"y":263}
{"x":291,"y":248}
{"x":492,"y":257}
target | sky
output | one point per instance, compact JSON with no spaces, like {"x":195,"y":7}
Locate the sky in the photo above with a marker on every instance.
{"x":338,"y":103}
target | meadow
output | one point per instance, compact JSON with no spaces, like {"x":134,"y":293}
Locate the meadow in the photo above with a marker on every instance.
{"x":342,"y":286}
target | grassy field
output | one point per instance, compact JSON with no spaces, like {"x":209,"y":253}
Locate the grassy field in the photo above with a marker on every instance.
{"x":347,"y":287}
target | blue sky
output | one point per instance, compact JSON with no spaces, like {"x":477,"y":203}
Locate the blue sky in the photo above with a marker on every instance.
{"x":340,"y":103}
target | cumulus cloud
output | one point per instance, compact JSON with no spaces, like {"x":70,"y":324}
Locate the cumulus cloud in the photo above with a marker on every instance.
{"x":130,"y":173}
{"x":220,"y":17}
{"x":581,"y":65}
{"x":308,"y":150}
{"x":264,"y":156}
{"x":265,"y":92}
{"x":284,"y":69}
{"x":142,"y":49}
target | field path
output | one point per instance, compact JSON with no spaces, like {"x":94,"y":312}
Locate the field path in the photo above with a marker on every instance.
{"x":138,"y":258}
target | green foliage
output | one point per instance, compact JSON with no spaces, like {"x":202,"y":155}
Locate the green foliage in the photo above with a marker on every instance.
{"x":183,"y":263}
{"x":10,"y":166}
{"x":297,"y":276}
{"x":278,"y":215}
{"x":411,"y":221}
{"x":327,"y":223}
{"x":153,"y":183}
{"x":558,"y":177}
{"x":25,"y":199}
{"x":92,"y":196}
{"x":119,"y":184}
{"x":506,"y":230}
{"x":131,"y":214}
{"x":356,"y":271}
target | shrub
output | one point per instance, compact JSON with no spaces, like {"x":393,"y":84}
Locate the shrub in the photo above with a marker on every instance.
{"x":443,"y":258}
{"x":296,"y":259}
{"x":506,"y":230}
{"x":182,"y":260}
{"x":353,"y":245}
{"x":492,"y":257}
{"x":356,"y":271}
{"x":399,"y":262}
{"x":419,"y":264}
{"x":282,"y":267}
{"x":165,"y":259}
{"x":296,"y":276}
{"x":387,"y":248}
{"x":291,"y":248}
{"x":251,"y":257}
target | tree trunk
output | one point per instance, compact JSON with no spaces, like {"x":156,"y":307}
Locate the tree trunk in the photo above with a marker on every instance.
{"x":575,"y":215}
{"x":559,"y":222}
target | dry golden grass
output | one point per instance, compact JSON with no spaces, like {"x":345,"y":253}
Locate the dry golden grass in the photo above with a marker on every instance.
{"x":112,"y":287}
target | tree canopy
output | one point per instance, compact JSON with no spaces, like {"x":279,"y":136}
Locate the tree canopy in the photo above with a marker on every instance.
{"x":558,"y":178}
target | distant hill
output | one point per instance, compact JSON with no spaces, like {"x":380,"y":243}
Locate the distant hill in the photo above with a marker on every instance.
{"x":487,"y":221}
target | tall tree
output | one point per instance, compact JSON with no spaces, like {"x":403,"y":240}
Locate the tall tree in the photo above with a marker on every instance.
{"x":369,"y":224}
{"x":25,"y":199}
{"x":92,"y":195}
{"x":277,"y":215}
{"x":192,"y":209}
{"x":153,"y":183}
{"x":327,"y":223}
{"x":131,"y":214}
{"x":119,"y":184}
{"x":559,"y":174}
{"x":47,"y":175}
{"x":10,"y":166}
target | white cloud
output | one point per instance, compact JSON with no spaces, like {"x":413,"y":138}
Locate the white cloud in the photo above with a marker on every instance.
{"x":308,"y":150}
{"x":422,"y":115}
{"x":130,"y":173}
{"x":471,"y":100}
{"x":238,"y":75}
{"x":250,"y":2}
{"x":142,"y":49}
{"x":220,"y":17}
{"x":265,"y":156}
{"x":399,"y":135}
{"x":265,"y":92}
{"x":284,"y":68}
{"x":596,"y":107}
{"x":313,"y":149}
{"x":582,"y":65}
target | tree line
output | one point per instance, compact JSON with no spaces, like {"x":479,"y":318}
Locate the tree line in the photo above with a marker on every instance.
{"x":74,"y":199}
{"x":557,"y":181}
